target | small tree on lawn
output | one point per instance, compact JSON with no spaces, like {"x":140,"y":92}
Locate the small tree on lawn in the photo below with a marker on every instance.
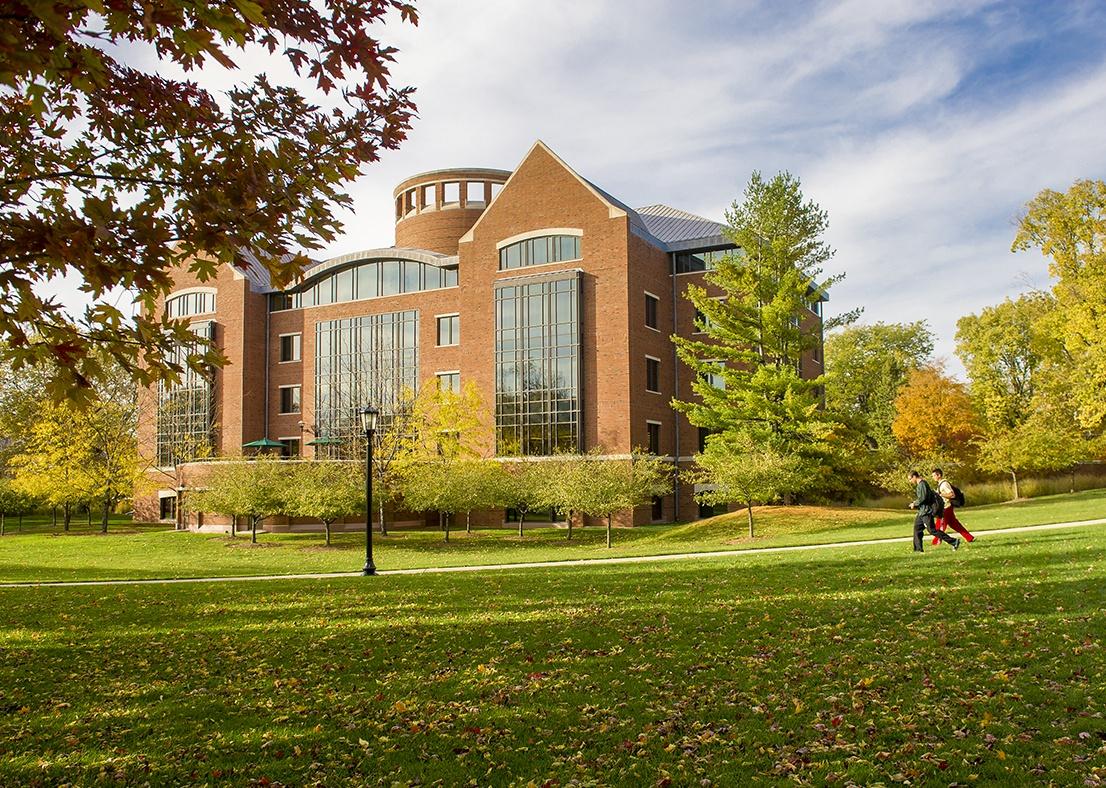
{"x":475,"y":485}
{"x":10,"y":501}
{"x":739,"y":470}
{"x":1037,"y":444}
{"x":256,"y":488}
{"x":620,"y":484}
{"x":327,"y":490}
{"x":433,"y":486}
{"x":525,"y":488}
{"x":571,"y":483}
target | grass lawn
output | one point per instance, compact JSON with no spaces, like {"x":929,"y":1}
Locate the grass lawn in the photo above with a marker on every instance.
{"x":165,"y":553}
{"x":865,"y":665}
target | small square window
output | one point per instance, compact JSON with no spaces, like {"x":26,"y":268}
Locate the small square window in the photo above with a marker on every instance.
{"x":474,"y":192}
{"x":290,"y":448}
{"x":654,"y":437}
{"x":290,"y":347}
{"x":652,"y":375}
{"x":449,"y":381}
{"x":449,"y":330}
{"x":651,"y":303}
{"x":451,"y":193}
{"x":289,"y":399}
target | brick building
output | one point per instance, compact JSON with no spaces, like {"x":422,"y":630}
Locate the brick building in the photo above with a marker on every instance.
{"x":556,"y":298}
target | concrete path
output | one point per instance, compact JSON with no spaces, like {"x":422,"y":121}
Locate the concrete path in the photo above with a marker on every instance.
{"x":637,"y":559}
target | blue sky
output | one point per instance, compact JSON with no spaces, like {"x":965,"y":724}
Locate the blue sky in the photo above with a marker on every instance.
{"x":922,"y":127}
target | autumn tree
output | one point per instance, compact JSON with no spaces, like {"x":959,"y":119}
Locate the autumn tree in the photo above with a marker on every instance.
{"x":615,"y":485}
{"x":255,"y":488}
{"x":326,"y":490}
{"x":54,"y":459}
{"x":115,"y":174}
{"x":735,"y":469}
{"x":755,"y":318}
{"x":1070,"y":230}
{"x":934,"y":417}
{"x":866,"y":366}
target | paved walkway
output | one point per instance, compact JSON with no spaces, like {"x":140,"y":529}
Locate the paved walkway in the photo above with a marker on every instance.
{"x":637,"y":559}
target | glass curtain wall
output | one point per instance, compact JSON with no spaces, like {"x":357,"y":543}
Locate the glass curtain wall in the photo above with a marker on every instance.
{"x":358,"y":361}
{"x":185,"y":410}
{"x":537,"y":359}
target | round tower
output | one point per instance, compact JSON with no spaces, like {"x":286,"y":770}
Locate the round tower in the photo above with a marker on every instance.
{"x":434,"y":209}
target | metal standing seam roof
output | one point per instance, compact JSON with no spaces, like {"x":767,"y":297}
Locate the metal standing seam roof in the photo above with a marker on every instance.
{"x":673,"y":226}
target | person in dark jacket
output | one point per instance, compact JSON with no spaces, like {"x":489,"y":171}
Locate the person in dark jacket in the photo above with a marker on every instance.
{"x":928,"y":506}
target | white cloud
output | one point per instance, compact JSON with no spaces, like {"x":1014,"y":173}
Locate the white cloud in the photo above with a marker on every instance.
{"x":879,"y":105}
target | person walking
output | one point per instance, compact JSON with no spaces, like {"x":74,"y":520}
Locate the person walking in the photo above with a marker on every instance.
{"x":948,"y":516}
{"x":928,"y":505}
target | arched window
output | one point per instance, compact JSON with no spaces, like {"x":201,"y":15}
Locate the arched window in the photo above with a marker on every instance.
{"x":200,"y":302}
{"x":369,"y":279}
{"x":539,"y":251}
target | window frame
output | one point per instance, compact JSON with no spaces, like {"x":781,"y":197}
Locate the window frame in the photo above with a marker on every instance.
{"x":297,"y":347}
{"x":448,"y":373}
{"x":653,"y":428}
{"x":655,"y":302}
{"x":455,"y":335}
{"x":297,"y":403}
{"x":656,"y":364}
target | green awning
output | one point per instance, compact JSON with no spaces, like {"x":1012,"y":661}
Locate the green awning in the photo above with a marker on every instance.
{"x":326,"y":441}
{"x":264,"y":443}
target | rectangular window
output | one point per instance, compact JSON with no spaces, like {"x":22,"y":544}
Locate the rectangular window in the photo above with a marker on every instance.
{"x":389,"y":277}
{"x":428,"y":196}
{"x":343,"y":286}
{"x":704,"y":433}
{"x":289,"y":399}
{"x":651,"y":303}
{"x":368,"y":280}
{"x":714,"y":378}
{"x":652,"y":374}
{"x":449,"y":277}
{"x":452,"y":193}
{"x":449,"y":381}
{"x":411,"y":272}
{"x":449,"y":330}
{"x":290,"y":347}
{"x":657,"y":513}
{"x":537,"y":367}
{"x":474,"y":192}
{"x":168,"y":508}
{"x":700,"y":322}
{"x":289,"y":448}
{"x":369,"y":359}
{"x":654,"y":437}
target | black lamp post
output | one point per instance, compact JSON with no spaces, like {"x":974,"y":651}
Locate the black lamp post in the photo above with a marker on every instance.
{"x":368,"y":424}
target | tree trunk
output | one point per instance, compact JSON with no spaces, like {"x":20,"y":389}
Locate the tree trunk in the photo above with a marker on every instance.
{"x":233,"y":525}
{"x":104,"y":515}
{"x":326,"y":525}
{"x":521,"y":520}
{"x":54,"y":510}
{"x":1017,"y":493}
{"x":468,"y":522}
{"x":90,"y":515}
{"x":749,"y":509}
{"x":1073,"y":478}
{"x":383,"y":527}
{"x":447,"y":526}
{"x":21,"y":522}
{"x":569,"y":523}
{"x":253,"y":529}
{"x":441,"y":521}
{"x":608,"y":530}
{"x":67,"y":516}
{"x":1,"y":523}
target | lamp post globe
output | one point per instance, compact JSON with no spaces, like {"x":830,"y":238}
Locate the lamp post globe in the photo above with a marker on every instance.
{"x":369,"y":416}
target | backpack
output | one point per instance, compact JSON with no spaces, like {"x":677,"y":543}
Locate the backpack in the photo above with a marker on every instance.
{"x":957,"y":495}
{"x":936,"y":502}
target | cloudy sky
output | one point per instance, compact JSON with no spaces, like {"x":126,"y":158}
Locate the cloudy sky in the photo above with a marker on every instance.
{"x":921,"y":126}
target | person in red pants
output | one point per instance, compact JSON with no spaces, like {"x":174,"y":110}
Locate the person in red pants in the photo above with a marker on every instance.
{"x":948,"y":516}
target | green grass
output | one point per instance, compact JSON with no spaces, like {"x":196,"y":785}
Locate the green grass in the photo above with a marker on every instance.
{"x":865,"y":665}
{"x":165,"y":553}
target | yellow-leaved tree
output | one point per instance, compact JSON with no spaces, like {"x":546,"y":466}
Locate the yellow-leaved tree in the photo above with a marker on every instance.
{"x":934,"y":417}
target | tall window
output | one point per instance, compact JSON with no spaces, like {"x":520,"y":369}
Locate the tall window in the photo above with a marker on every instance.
{"x":449,"y":330}
{"x":358,"y":361}
{"x":289,"y":399}
{"x":652,"y":374}
{"x":539,"y":251}
{"x":290,"y":347}
{"x":185,"y":410}
{"x":537,"y":367}
{"x":651,"y":303}
{"x":654,"y":437}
